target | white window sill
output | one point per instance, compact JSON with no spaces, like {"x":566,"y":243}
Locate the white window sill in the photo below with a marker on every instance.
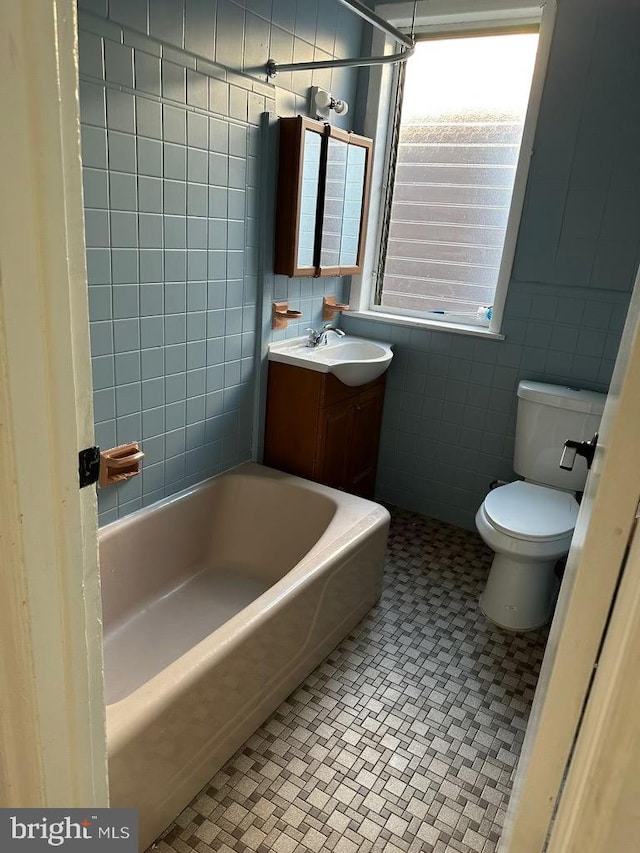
{"x":435,"y":325}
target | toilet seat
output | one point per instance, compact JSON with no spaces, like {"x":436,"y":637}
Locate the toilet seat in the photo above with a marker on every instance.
{"x":532,"y":513}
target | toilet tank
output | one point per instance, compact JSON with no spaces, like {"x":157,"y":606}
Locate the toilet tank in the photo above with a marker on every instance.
{"x":547,"y":416}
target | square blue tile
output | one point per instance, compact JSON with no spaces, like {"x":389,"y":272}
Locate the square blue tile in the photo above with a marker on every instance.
{"x":91,"y":54}
{"x":166,"y":22}
{"x":150,"y":230}
{"x":151,"y":331}
{"x":125,"y":301}
{"x":150,"y":157}
{"x":175,"y":297}
{"x":149,"y":118}
{"x":175,"y":162}
{"x":103,"y":372}
{"x":95,"y":188}
{"x":197,"y":170}
{"x":128,"y":399}
{"x":94,"y":146}
{"x":126,"y":335}
{"x":121,"y":111}
{"x":175,"y":416}
{"x":174,"y":124}
{"x":197,"y":90}
{"x":175,"y":329}
{"x":147,"y":71}
{"x":175,"y":265}
{"x":197,"y":130}
{"x":153,"y":424}
{"x":218,"y":96}
{"x":151,"y":265}
{"x":152,"y":363}
{"x":196,"y":355}
{"x":175,"y":232}
{"x":197,"y":200}
{"x":199,"y":33}
{"x":175,"y":387}
{"x":98,"y":266}
{"x":218,"y":203}
{"x":96,"y":225}
{"x":196,"y":265}
{"x":175,"y":197}
{"x":218,"y":136}
{"x":93,"y":104}
{"x":123,"y":191}
{"x":124,"y":230}
{"x":118,"y":59}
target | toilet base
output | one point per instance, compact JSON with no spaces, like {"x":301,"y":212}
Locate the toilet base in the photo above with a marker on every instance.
{"x":519,"y":594}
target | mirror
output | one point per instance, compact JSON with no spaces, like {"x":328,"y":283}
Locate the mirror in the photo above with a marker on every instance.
{"x":335,"y":177}
{"x":352,"y":212}
{"x":312,"y":144}
{"x":323,"y":199}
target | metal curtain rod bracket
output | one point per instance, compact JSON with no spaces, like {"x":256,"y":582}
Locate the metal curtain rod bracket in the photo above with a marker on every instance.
{"x":370,"y":17}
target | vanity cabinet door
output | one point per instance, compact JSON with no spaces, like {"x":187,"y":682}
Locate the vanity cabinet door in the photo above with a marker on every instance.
{"x":364,"y":441}
{"x":332,"y":467}
{"x":349,"y":437}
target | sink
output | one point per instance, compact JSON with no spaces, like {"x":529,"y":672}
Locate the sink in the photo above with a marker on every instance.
{"x":354,"y":361}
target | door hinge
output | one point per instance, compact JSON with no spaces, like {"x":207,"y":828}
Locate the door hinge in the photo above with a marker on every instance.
{"x":88,"y":466}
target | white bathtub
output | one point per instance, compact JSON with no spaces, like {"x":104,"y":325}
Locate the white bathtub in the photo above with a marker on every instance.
{"x":217,"y":603}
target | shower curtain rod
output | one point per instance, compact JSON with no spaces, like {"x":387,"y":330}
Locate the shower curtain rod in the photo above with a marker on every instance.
{"x":370,"y":17}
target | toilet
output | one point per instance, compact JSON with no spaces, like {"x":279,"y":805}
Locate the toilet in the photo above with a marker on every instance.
{"x":529,"y":523}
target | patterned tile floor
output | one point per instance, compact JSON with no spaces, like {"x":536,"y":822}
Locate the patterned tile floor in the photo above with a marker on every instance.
{"x":404,"y":739}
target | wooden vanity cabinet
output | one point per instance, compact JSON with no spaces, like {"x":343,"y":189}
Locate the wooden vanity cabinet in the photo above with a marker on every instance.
{"x":323,"y":430}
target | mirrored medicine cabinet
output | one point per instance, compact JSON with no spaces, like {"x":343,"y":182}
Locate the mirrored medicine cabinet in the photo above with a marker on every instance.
{"x":324,"y":179}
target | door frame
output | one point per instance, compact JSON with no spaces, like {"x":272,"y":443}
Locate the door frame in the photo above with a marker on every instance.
{"x":52,"y":716}
{"x":594,"y":567}
{"x":598,"y":811}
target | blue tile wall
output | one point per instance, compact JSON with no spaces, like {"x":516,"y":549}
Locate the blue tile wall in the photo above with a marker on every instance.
{"x":175,"y":185}
{"x":449,"y":418}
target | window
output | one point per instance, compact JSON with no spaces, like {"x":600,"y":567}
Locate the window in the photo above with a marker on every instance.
{"x":460,"y":134}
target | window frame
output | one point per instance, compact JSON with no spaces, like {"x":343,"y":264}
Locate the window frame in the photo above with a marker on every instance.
{"x":382,"y":106}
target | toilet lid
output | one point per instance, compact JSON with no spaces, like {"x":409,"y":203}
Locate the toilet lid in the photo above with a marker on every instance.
{"x":531,"y":512}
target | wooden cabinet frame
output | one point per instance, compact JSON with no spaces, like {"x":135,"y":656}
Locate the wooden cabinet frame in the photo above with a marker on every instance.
{"x":323,"y":430}
{"x":289,"y":196}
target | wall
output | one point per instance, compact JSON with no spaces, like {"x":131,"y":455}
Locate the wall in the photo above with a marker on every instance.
{"x":449,"y":417}
{"x":179,"y":184}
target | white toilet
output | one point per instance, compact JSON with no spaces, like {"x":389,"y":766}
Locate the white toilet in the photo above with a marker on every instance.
{"x":529,"y":523}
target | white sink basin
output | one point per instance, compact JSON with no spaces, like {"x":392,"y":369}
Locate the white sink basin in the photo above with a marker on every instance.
{"x":354,"y":361}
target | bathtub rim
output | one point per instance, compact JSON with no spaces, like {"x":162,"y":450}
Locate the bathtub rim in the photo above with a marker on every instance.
{"x":107,"y":529}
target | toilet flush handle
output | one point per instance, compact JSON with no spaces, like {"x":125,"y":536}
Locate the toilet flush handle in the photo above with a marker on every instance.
{"x":578,"y":448}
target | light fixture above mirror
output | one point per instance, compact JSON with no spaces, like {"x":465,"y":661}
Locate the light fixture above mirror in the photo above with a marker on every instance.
{"x":322,"y":102}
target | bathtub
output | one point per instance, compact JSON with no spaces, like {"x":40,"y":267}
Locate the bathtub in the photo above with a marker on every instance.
{"x":217,"y":603}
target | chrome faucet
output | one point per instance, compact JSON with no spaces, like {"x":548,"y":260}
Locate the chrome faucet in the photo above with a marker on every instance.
{"x":317,"y":339}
